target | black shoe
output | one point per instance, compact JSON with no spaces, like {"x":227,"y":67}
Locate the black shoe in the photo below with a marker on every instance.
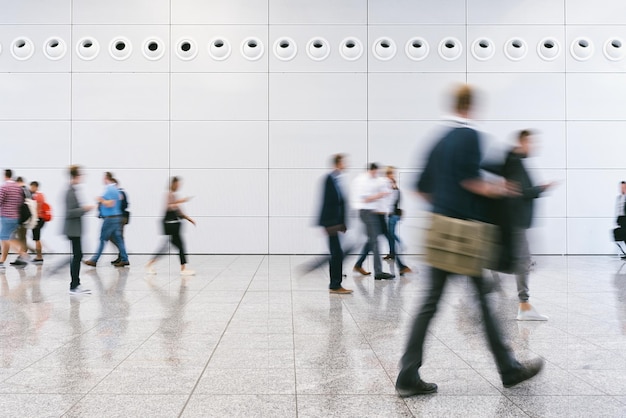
{"x":117,"y":260}
{"x":384,"y":276}
{"x":419,"y":388}
{"x":122,"y":264}
{"x":529,"y":370}
{"x":18,"y":262}
{"x":389,"y":257}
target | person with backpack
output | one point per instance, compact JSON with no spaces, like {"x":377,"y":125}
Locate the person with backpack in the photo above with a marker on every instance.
{"x":28,"y":220}
{"x":45,"y":215}
{"x":125,"y":218}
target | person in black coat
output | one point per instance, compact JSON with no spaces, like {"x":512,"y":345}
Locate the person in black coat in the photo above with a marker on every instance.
{"x":517,"y":218}
{"x":333,"y":219}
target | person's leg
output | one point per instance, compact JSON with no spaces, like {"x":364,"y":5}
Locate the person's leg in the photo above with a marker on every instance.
{"x":391,"y":237}
{"x":105,"y":234}
{"x":37,"y":239}
{"x":117,"y":236}
{"x":505,"y":360}
{"x":411,"y":361}
{"x":177,"y":240}
{"x":521,"y":258}
{"x":77,"y":255}
{"x":336,"y":261}
{"x":366,"y":248}
{"x":373,"y":231}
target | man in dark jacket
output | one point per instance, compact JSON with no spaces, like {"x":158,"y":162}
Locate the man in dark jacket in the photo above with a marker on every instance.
{"x":518,"y":216}
{"x":333,"y":219}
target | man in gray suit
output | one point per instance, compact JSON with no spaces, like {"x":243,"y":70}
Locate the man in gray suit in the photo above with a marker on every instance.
{"x":73,"y":228}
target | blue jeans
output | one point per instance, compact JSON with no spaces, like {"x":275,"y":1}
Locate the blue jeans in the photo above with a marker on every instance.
{"x":392,"y":222}
{"x":111,"y":230}
{"x":372,"y":227}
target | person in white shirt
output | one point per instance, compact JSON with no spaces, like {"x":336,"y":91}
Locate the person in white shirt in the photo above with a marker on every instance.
{"x":369,"y":196}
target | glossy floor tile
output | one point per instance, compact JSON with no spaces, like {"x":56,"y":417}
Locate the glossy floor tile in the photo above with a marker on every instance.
{"x":260,"y":336}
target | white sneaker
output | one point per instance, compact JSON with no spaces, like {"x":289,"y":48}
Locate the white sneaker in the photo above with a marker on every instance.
{"x":150,"y":270}
{"x":187,"y":272}
{"x":530,"y":315}
{"x":78,"y":290}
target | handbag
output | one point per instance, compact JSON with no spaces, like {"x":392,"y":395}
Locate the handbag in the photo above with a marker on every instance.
{"x":460,"y":246}
{"x":171,"y":222}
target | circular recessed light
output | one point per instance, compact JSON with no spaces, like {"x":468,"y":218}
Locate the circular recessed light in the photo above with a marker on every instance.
{"x":483,"y":49}
{"x":450,"y":49}
{"x":22,"y":48}
{"x":417,"y":49}
{"x":252,"y":48}
{"x":515,"y":49}
{"x":614,"y":49}
{"x":548,"y":49}
{"x":120,"y":48}
{"x":318,"y":49}
{"x":153,"y":49}
{"x":54,"y":48}
{"x":351,"y":49}
{"x":186,"y":49}
{"x":581,"y":49}
{"x":384,"y":49}
{"x":285,"y":49}
{"x":219,"y":48}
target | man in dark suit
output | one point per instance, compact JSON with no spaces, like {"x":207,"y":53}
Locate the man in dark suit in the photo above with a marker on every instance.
{"x":333,"y":219}
{"x":72,"y":228}
{"x":518,"y":217}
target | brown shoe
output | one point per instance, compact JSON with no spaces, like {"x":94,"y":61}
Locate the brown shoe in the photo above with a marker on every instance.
{"x":361,"y":270}
{"x":122,"y":264}
{"x":405,"y":270}
{"x":341,"y":291}
{"x":90,"y":263}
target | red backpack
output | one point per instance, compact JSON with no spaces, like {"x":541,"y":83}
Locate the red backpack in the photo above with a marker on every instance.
{"x":44,"y":209}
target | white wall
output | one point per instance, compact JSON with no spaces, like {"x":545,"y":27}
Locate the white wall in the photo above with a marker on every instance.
{"x":252,"y":137}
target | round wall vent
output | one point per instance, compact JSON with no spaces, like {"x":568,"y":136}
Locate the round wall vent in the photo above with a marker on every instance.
{"x":219,"y":48}
{"x":54,"y":48}
{"x":22,"y":48}
{"x":450,"y":49}
{"x":285,"y":49}
{"x":318,"y":49}
{"x":515,"y":49}
{"x":548,"y":49}
{"x":614,"y":49}
{"x":87,"y":48}
{"x":120,"y":48}
{"x":153,"y":49}
{"x":252,"y":49}
{"x":417,"y":49}
{"x":186,"y":49}
{"x":581,"y":49}
{"x":351,"y":49}
{"x":384,"y":49}
{"x":483,"y":49}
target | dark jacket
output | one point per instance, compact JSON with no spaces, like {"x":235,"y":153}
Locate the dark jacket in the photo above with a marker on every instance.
{"x":73,"y":214}
{"x":520,"y":209}
{"x":333,"y":211}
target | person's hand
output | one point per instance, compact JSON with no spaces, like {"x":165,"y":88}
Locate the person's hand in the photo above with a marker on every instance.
{"x":192,"y":221}
{"x":88,"y":208}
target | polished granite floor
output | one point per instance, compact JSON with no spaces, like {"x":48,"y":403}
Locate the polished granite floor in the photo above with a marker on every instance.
{"x":258,"y":336}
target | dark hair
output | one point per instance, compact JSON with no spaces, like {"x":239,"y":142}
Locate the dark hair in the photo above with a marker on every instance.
{"x":173,"y":181}
{"x":74,"y":171}
{"x":464,"y":97}
{"x":523,"y":134}
{"x":373,"y":166}
{"x":34,"y":183}
{"x":8,"y":173}
{"x":109,"y":176}
{"x":337,"y":159}
{"x":19,"y":180}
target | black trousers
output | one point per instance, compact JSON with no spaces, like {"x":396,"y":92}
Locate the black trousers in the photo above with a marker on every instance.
{"x":77,"y":258}
{"x":412,"y":359}
{"x":336,"y":261}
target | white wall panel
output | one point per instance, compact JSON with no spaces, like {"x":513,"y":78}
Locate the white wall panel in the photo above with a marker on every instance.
{"x":532,"y":36}
{"x":590,"y":236}
{"x":598,"y":12}
{"x":22,"y":139}
{"x":38,"y":35}
{"x":539,"y":12}
{"x":206,"y":144}
{"x":241,"y":12}
{"x":410,"y":96}
{"x":121,"y":12}
{"x":553,"y":202}
{"x":548,"y":236}
{"x":432,"y":34}
{"x":593,"y":144}
{"x":234,"y":35}
{"x":593,"y":193}
{"x":106,"y":96}
{"x":224,"y":193}
{"x":219,"y":97}
{"x":135,"y":35}
{"x":227,"y":235}
{"x":318,"y":12}
{"x":296,"y":235}
{"x":303,"y":34}
{"x":409,"y":11}
{"x":297,"y":192}
{"x":34,"y":96}
{"x":605,"y":101}
{"x":120,"y":144}
{"x":403,"y":144}
{"x":311,"y":144}
{"x":520,"y":96}
{"x":314,"y":96}
{"x":35,"y":12}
